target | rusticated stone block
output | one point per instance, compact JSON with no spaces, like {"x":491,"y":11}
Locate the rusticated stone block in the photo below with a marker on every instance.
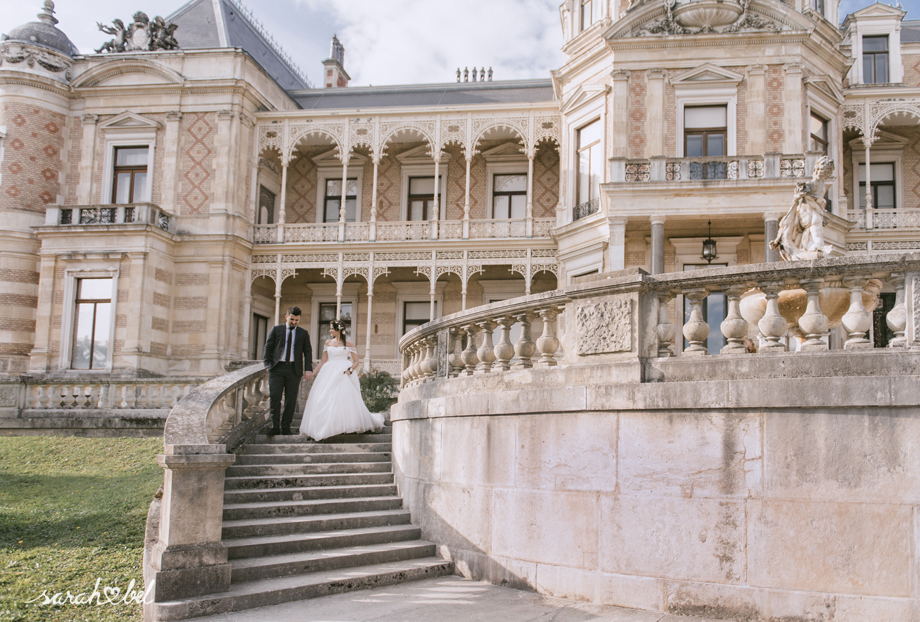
{"x":604,"y":327}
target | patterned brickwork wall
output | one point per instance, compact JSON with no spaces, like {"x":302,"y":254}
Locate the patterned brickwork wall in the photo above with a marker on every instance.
{"x":301,"y":188}
{"x":546,"y":181}
{"x":741,"y":119}
{"x":388,"y":182}
{"x":32,"y":160}
{"x":775,"y":85}
{"x":911,"y":69}
{"x":637,"y":90}
{"x":847,"y":189}
{"x":196,"y":150}
{"x":670,"y":119}
{"x":189,"y":308}
{"x":73,"y":161}
{"x":456,"y":182}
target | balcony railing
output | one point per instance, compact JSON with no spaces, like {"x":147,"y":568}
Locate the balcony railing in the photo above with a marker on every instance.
{"x":741,"y":167}
{"x":487,"y":229}
{"x":583,"y":210}
{"x":137,"y":213}
{"x":885,"y":218}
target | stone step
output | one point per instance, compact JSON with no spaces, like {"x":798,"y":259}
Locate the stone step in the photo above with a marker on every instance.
{"x":276,"y":503}
{"x":287,"y":439}
{"x":311,"y":458}
{"x":259,"y":568}
{"x":250,"y":594}
{"x":283,"y":545}
{"x":306,"y":481}
{"x":330,"y":468}
{"x":306,"y":448}
{"x":256,"y":527}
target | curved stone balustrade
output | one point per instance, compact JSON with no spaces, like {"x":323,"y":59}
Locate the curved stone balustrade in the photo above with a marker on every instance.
{"x":183,"y":552}
{"x":95,"y":393}
{"x":625,"y":314}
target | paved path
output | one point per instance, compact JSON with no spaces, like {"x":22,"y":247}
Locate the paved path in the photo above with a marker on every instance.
{"x":445,"y":599}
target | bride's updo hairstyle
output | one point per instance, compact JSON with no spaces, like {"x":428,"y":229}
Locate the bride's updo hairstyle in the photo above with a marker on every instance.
{"x":340,"y":328}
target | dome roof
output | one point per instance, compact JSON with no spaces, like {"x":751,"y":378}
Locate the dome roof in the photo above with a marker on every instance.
{"x":43,"y":32}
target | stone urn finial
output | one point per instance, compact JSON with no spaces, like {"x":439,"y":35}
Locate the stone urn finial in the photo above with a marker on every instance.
{"x":47,"y":14}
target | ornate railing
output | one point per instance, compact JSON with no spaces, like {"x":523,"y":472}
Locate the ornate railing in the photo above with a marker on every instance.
{"x":740,"y":167}
{"x":628,"y":313}
{"x":487,"y":229}
{"x":136,"y":213}
{"x":96,"y":393}
{"x":183,"y":554}
{"x":585,"y":209}
{"x":885,"y":218}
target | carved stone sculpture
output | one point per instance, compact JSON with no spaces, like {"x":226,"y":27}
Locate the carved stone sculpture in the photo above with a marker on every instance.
{"x":142,"y":35}
{"x":801,"y":230}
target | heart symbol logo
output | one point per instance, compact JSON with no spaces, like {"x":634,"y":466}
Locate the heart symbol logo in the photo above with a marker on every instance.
{"x":111,"y":593}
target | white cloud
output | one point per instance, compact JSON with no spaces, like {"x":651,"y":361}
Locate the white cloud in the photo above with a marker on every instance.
{"x":412,"y":41}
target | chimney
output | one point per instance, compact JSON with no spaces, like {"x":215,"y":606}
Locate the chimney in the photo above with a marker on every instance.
{"x":335,"y":76}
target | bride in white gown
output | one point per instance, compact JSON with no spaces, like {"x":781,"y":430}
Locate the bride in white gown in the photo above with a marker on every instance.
{"x":334,"y":405}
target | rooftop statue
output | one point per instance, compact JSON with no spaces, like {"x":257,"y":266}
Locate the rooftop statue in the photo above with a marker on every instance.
{"x":142,"y":35}
{"x":801,"y":230}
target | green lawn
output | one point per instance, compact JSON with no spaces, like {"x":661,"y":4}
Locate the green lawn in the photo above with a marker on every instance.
{"x":72,"y":510}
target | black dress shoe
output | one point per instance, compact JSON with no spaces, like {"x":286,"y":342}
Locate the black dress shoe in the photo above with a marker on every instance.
{"x":274,"y":431}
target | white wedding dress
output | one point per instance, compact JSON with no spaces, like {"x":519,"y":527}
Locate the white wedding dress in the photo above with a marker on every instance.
{"x":334,"y":405}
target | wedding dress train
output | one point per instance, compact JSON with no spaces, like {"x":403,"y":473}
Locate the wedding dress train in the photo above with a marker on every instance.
{"x":334,"y":405}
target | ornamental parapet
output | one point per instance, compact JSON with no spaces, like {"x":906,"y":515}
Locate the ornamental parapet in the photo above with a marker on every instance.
{"x":108,"y":214}
{"x":623,"y":317}
{"x":721,"y":168}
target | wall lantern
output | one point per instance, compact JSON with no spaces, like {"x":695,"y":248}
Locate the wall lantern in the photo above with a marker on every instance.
{"x":709,"y":247}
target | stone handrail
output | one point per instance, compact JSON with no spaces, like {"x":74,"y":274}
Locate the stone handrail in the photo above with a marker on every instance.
{"x":111,"y":214}
{"x":104,"y":393}
{"x":625,"y":316}
{"x":731,"y":168}
{"x":183,"y":554}
{"x":885,"y":218}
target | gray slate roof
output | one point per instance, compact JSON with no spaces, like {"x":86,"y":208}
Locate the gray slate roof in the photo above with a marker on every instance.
{"x":445,"y":94}
{"x":910,"y":31}
{"x":200,"y":26}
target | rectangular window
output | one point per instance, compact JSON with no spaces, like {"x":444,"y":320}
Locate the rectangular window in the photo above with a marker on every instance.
{"x":590,"y":161}
{"x":884,"y":190}
{"x":259,"y":334}
{"x":705,"y":131}
{"x":415,"y":314}
{"x":130,"y":175}
{"x":818,"y":130}
{"x":326,"y":315}
{"x":92,"y":324}
{"x":875,"y":59}
{"x":333,"y":200}
{"x":509,"y":196}
{"x":266,"y":215}
{"x":421,"y":197}
{"x":819,"y":7}
{"x":590,"y":13}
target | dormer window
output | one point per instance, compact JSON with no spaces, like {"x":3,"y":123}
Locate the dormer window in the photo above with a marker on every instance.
{"x":590,"y":13}
{"x":818,"y":134}
{"x":818,"y":6}
{"x":875,"y":59}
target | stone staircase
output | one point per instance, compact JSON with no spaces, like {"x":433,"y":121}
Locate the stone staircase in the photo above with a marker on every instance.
{"x":304,"y":519}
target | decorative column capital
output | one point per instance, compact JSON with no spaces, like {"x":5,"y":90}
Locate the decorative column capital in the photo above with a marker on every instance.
{"x":173,"y":116}
{"x":757,"y":70}
{"x":772,"y":216}
{"x":620,"y":75}
{"x":90,"y":119}
{"x":657,"y":219}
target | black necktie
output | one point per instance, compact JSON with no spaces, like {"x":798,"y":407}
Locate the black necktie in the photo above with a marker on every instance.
{"x":287,"y":350}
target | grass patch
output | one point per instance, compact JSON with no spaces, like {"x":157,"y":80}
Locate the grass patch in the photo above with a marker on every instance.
{"x":73,"y":510}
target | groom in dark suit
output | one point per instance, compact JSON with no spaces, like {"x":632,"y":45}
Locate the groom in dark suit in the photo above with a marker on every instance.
{"x":287,"y":355}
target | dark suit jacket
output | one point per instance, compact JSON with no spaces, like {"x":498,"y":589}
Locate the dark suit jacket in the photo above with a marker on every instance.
{"x":301,"y":352}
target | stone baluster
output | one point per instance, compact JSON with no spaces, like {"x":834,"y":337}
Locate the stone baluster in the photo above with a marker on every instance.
{"x":734,"y":327}
{"x":856,"y":321}
{"x":548,"y":343}
{"x":143,"y":397}
{"x":665,"y":330}
{"x":431,"y":347}
{"x":455,"y":358}
{"x":696,"y":330}
{"x":504,"y":350}
{"x":410,"y":366}
{"x":813,"y":322}
{"x":469,"y":356}
{"x":421,"y":368}
{"x":82,"y":396}
{"x":525,"y":346}
{"x":42,"y":396}
{"x":156,"y":397}
{"x":66,"y":393}
{"x":897,"y":317}
{"x":772,"y":325}
{"x":414,"y":364}
{"x":486,"y":350}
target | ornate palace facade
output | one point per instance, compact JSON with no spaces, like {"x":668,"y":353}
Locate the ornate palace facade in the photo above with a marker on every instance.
{"x":162,"y":207}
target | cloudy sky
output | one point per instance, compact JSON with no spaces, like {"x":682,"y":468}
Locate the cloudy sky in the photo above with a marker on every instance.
{"x":386,"y":41}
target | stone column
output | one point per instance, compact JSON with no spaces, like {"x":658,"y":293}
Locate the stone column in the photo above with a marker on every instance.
{"x":770,"y":229}
{"x":756,"y":111}
{"x":367,"y":343}
{"x":620,"y":114}
{"x":87,"y":158}
{"x":282,"y":210}
{"x":372,"y":233}
{"x":342,"y":206}
{"x":616,"y":243}
{"x":189,"y":558}
{"x":792,"y":111}
{"x":466,"y":199}
{"x":221,"y":165}
{"x":657,"y":263}
{"x":170,"y":163}
{"x":436,"y":208}
{"x":654,"y":105}
{"x":529,"y":221}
